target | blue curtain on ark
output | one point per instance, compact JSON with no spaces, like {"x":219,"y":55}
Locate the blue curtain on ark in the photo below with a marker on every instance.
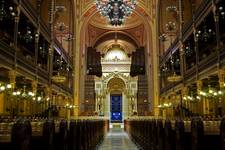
{"x":116,"y":108}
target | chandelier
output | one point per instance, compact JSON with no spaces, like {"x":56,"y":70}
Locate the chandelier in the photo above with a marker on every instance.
{"x":116,"y":10}
{"x":174,"y":78}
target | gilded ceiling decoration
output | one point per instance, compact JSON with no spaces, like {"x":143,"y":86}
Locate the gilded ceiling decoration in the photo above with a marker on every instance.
{"x":97,"y":36}
{"x":145,"y":7}
{"x":101,"y":22}
{"x":116,"y":11}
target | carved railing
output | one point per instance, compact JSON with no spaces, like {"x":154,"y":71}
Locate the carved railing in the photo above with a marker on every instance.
{"x":199,"y":15}
{"x":29,"y":11}
{"x":202,"y":11}
{"x":173,"y":48}
{"x":7,"y":54}
{"x":62,"y":51}
{"x":211,"y":60}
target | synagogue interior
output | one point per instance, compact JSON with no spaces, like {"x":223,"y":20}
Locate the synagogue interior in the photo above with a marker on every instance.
{"x":112,"y":74}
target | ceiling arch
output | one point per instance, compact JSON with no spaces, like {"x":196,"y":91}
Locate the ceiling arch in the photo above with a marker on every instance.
{"x":126,"y":46}
{"x":101,"y":22}
{"x":119,"y":35}
{"x":146,"y":11}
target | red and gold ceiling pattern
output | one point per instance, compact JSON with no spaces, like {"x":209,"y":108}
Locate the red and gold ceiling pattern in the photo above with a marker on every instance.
{"x":134,"y":25}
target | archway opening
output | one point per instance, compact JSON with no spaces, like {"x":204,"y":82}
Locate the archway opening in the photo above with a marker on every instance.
{"x":129,"y":37}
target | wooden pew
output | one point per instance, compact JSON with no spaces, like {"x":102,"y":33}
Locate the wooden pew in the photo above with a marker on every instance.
{"x":61,"y":135}
{"x":52,"y":135}
{"x":222,"y":134}
{"x":15,"y":135}
{"x":169,"y":136}
{"x":177,"y":135}
{"x":160,"y":135}
{"x":182,"y":136}
{"x":43,"y":135}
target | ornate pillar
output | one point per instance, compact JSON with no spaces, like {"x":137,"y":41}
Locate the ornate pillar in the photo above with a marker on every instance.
{"x":217,"y":28}
{"x":101,"y":105}
{"x":48,"y":93}
{"x":130,"y":109}
{"x":203,"y":102}
{"x":33,"y":104}
{"x":129,"y":105}
{"x":15,"y":36}
{"x":97,"y":99}
{"x":59,"y":103}
{"x":184,"y":92}
{"x":11,"y":104}
{"x":135,"y":102}
{"x":77,"y":57}
{"x":199,"y":86}
{"x":12,"y":78}
{"x":221,"y":75}
{"x":221,"y":103}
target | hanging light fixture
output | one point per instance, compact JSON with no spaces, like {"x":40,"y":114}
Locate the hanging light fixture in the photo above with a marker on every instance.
{"x":60,"y":76}
{"x":6,"y":12}
{"x":174,"y":77}
{"x":116,"y":10}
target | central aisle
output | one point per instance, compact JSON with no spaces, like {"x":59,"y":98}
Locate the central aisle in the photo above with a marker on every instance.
{"x":117,"y":139}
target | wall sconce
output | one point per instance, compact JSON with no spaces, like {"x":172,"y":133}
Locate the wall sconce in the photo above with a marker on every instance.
{"x":162,"y":37}
{"x":221,"y":11}
{"x":204,"y":34}
{"x":4,"y":87}
{"x":171,"y":26}
{"x":6,"y":12}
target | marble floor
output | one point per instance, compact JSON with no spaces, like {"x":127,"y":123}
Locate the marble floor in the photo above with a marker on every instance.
{"x":117,"y":139}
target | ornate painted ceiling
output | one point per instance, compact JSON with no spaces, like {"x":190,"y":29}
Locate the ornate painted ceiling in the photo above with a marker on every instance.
{"x":146,"y":7}
{"x":132,"y":37}
{"x":98,"y":29}
{"x":101,"y":22}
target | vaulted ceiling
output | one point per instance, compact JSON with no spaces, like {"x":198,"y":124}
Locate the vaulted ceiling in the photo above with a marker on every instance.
{"x":131,"y":35}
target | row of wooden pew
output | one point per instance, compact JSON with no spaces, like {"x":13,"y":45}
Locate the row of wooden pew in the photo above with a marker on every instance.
{"x":194,"y":134}
{"x":26,"y":134}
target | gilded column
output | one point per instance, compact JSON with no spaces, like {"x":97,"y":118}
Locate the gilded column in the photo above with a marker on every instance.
{"x":221,"y":104}
{"x":101,"y":105}
{"x":203,"y":102}
{"x":96,"y":103}
{"x":77,"y":57}
{"x":130,"y":105}
{"x":48,"y":93}
{"x":221,"y":75}
{"x":12,"y":78}
{"x":135,"y":102}
{"x":184,"y":93}
{"x":33,"y":105}
{"x":15,"y":36}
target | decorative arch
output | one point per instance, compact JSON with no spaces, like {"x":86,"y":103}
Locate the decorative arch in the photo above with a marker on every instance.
{"x":151,"y":47}
{"x":116,"y":83}
{"x":120,"y":35}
